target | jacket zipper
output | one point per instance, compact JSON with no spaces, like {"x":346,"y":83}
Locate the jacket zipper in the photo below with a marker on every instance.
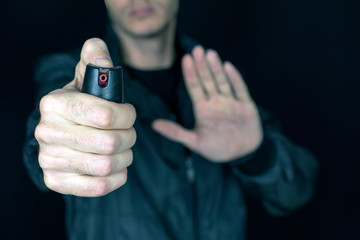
{"x":190,"y":170}
{"x":191,"y":175}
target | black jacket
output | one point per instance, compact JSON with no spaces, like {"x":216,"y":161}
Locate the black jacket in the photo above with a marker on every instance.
{"x":172,"y":193}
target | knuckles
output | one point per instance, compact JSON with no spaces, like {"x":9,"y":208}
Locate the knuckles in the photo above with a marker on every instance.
{"x":105,"y":166}
{"x":41,"y":132}
{"x":104,"y":185}
{"x":120,"y":116}
{"x":108,"y":144}
{"x":104,"y":118}
{"x":47,"y":103}
{"x":101,"y":188}
{"x":51,"y":182}
{"x":96,"y":186}
{"x":131,"y":115}
{"x":129,"y":158}
{"x":45,"y":161}
{"x":133,"y":137}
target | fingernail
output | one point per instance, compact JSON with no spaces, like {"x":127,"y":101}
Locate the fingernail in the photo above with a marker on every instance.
{"x":211,"y":55}
{"x":198,"y":49}
{"x":103,"y":61}
{"x":187,"y":59}
{"x":227,"y":63}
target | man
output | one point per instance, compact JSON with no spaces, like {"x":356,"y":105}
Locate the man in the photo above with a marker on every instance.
{"x":201,"y":143}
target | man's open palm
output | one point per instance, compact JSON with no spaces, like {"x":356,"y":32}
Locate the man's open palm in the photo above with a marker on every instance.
{"x":228,"y":125}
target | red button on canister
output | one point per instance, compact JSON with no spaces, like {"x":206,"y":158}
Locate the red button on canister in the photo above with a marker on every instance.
{"x":103,"y":80}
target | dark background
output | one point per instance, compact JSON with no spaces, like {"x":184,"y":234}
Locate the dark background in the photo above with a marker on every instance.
{"x":300,"y":59}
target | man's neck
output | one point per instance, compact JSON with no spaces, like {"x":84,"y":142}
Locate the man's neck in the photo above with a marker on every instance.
{"x":157,"y":52}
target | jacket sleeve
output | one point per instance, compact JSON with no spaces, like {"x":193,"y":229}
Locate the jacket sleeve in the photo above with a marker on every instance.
{"x":282,"y":174}
{"x":51,"y":72}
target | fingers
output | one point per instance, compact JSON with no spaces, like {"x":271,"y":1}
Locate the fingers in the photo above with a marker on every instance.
{"x":191,"y":79}
{"x":206,"y":76}
{"x":61,"y":159}
{"x":240,"y":88}
{"x":86,"y":139}
{"x":218,"y":72}
{"x":83,"y":185}
{"x":86,"y":110}
{"x":84,"y":161}
{"x":94,"y":51}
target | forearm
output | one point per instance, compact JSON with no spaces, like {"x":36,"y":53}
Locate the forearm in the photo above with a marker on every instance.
{"x":282,"y":174}
{"x":257,"y":162}
{"x":289,"y":181}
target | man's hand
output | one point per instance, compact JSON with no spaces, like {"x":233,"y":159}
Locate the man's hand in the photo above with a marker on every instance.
{"x":85,"y":141}
{"x":228,"y":125}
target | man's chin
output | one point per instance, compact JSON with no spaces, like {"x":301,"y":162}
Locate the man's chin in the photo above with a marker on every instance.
{"x":148,"y":33}
{"x":144,"y":31}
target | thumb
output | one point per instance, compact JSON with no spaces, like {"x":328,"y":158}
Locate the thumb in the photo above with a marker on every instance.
{"x":175,"y":132}
{"x":94,"y":51}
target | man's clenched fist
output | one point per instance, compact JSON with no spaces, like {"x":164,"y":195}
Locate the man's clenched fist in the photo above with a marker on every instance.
{"x":85,"y":141}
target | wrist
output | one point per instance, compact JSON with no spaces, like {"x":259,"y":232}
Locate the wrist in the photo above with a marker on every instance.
{"x":258,"y":161}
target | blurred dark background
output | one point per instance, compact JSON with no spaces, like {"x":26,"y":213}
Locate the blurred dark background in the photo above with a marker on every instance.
{"x":300,"y":59}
